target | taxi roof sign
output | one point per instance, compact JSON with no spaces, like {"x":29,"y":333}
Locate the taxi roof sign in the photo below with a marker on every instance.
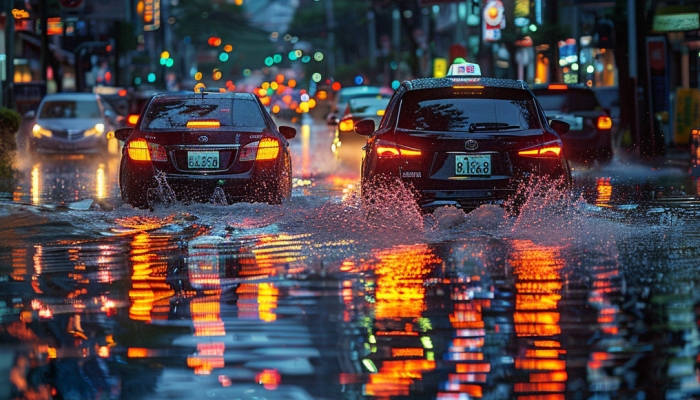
{"x":464,"y":69}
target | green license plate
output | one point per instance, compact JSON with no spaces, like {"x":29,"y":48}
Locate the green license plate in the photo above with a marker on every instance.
{"x":473,"y":165}
{"x":203,"y":159}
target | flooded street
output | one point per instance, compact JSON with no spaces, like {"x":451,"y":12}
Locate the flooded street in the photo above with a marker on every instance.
{"x":591,"y":293}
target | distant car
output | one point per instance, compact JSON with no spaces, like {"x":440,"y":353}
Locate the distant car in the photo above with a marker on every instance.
{"x":203,"y":145}
{"x":137,"y":101}
{"x":590,"y":134}
{"x":462,"y":140}
{"x":344,"y":95}
{"x":71,"y":123}
{"x":358,"y":109}
{"x":347,"y":146}
{"x":609,"y":99}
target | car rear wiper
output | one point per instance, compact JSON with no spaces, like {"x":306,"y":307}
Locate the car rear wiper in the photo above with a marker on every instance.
{"x":491,"y":126}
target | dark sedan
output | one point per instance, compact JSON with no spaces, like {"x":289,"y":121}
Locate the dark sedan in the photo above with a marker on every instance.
{"x":205,"y":146}
{"x":463,"y":140}
{"x":590,"y":133}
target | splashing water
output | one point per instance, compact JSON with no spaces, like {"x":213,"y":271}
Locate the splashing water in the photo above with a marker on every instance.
{"x":218,"y":197}
{"x":163,"y":194}
{"x":391,"y":204}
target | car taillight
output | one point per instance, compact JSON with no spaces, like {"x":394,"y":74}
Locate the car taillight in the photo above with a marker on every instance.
{"x":346,"y":125}
{"x":131,"y":119}
{"x":141,"y":150}
{"x":386,"y":149}
{"x":549,"y":150}
{"x":265,"y":149}
{"x":604,"y":122}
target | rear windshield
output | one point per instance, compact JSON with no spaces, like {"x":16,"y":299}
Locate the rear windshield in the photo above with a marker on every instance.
{"x":70,"y":109}
{"x":453,"y":110}
{"x":233,"y":114}
{"x":567,"y":100}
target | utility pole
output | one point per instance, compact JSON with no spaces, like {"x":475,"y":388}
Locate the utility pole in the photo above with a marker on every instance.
{"x":330,"y":25}
{"x":8,"y":85}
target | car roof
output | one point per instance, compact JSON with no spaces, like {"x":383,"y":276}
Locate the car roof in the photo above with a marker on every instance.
{"x":450,"y":81}
{"x":204,"y":95}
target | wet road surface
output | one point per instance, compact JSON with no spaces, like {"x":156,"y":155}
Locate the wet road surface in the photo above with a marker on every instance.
{"x":586,"y":294}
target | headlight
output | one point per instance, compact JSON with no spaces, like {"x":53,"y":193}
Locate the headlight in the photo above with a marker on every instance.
{"x":95,"y":130}
{"x":38,"y":131}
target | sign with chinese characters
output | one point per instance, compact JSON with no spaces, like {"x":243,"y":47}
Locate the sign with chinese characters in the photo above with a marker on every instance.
{"x":493,"y":20}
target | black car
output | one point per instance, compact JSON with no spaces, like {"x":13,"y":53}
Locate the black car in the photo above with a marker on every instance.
{"x":205,"y":145}
{"x":463,"y":140}
{"x":590,"y":133}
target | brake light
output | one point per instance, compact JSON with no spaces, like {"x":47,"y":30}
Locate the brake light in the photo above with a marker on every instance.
{"x":268,"y":149}
{"x":203,"y":123}
{"x":389,"y":149}
{"x":548,"y":151}
{"x":346,"y":125}
{"x":604,"y":122}
{"x":132,"y":119}
{"x":558,"y":86}
{"x":141,"y":150}
{"x":265,"y":149}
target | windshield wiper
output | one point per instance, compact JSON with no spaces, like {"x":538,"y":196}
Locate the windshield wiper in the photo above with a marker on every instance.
{"x":490,"y":126}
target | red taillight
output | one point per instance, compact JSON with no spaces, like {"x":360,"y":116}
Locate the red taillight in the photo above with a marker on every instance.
{"x":346,"y":125}
{"x":141,"y":150}
{"x":387,"y":149}
{"x":547,"y":151}
{"x":265,"y":149}
{"x":557,"y":86}
{"x":268,"y":149}
{"x":604,"y":122}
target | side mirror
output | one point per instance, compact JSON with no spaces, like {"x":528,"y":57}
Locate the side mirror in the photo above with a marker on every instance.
{"x":364,"y":127}
{"x":287,"y":131}
{"x":560,"y":127}
{"x":30,"y":114}
{"x":123,"y":133}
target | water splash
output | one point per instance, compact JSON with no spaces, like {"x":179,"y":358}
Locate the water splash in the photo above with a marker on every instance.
{"x":218,"y":197}
{"x":163,"y":194}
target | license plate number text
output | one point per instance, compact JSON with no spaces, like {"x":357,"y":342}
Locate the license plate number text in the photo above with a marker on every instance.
{"x":474,"y":165}
{"x":203,"y":159}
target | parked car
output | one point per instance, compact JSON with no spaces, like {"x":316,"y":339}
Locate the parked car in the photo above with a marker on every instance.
{"x":71,"y":123}
{"x":200,"y":145}
{"x":463,"y":140}
{"x":590,"y":134}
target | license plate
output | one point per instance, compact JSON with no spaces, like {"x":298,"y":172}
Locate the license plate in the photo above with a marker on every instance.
{"x":203,"y":159}
{"x":474,"y":165}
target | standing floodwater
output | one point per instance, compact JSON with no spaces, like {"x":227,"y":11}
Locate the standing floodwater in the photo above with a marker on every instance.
{"x":587,"y":293}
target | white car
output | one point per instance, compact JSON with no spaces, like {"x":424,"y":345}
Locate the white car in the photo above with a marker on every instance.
{"x":71,"y":123}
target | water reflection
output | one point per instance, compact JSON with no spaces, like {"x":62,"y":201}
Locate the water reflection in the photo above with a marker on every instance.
{"x":65,"y":179}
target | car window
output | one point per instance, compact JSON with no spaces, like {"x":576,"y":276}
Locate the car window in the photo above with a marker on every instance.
{"x":567,"y":100}
{"x":509,"y":111}
{"x":172,"y":113}
{"x":70,"y":109}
